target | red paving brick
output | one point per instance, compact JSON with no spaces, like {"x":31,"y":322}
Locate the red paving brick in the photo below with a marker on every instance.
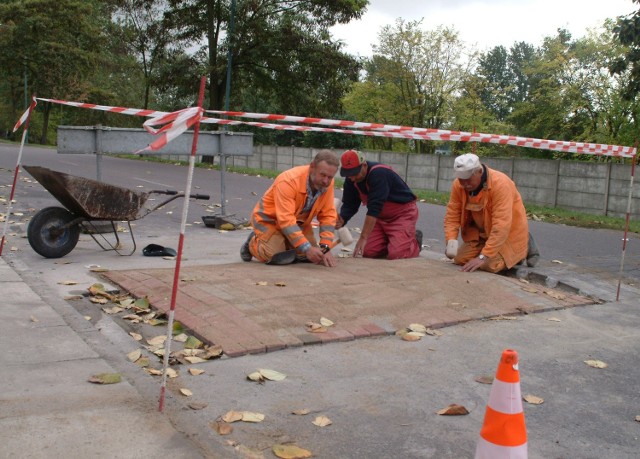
{"x":223,"y":304}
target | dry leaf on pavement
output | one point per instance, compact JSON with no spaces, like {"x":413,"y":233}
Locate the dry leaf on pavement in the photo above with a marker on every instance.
{"x":325,"y":322}
{"x":68,"y":282}
{"x":484,"y":379}
{"x":134,"y":355}
{"x":195,"y":371}
{"x":419,"y":328}
{"x":136,"y":336}
{"x":533,"y":400}
{"x":157,"y":340}
{"x":553,"y":319}
{"x":412,"y":336}
{"x":232,"y":416}
{"x":322,"y":421}
{"x":453,"y":410}
{"x":272,"y":375}
{"x":186,"y":392}
{"x":198,"y":405}
{"x":290,"y":452}
{"x":596,"y":363}
{"x":105,"y":378}
{"x":315,"y":327}
{"x":301,"y":412}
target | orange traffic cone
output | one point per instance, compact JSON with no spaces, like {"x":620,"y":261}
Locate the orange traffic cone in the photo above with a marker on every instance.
{"x":504,"y":434}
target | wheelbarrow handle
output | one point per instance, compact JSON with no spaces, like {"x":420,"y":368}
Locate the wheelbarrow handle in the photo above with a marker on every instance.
{"x":206,"y":197}
{"x":169,"y":192}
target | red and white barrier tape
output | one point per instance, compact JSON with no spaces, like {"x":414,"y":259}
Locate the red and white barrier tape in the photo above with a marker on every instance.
{"x":26,"y":114}
{"x":174,"y":124}
{"x":182,"y":121}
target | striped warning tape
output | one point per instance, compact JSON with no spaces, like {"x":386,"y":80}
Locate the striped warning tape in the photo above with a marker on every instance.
{"x":181,"y":120}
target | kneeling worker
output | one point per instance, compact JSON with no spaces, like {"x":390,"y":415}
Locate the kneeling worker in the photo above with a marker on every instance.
{"x":486,"y":208}
{"x":281,"y":220}
{"x":389,"y":229}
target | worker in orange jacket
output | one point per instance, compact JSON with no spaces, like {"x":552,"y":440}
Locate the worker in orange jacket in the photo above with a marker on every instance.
{"x":281,"y":220}
{"x":486,"y":208}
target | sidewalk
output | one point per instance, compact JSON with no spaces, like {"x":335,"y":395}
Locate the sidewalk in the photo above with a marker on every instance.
{"x":48,"y":409}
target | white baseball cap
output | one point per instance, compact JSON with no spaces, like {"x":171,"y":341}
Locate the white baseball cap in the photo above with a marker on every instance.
{"x":465,"y":165}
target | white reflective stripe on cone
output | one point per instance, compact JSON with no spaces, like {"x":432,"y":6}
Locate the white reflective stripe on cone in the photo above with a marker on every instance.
{"x":486,"y":450}
{"x":505,"y":397}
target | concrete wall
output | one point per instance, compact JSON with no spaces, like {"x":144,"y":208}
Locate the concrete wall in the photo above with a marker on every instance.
{"x":596,"y":188}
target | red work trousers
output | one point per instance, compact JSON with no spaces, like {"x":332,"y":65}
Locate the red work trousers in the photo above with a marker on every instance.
{"x":394,"y":234}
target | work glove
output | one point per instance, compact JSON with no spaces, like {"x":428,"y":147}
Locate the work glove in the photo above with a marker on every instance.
{"x":452,"y":248}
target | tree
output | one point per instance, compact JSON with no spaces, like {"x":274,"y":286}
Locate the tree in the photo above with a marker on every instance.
{"x":281,"y":48}
{"x":415,"y":76}
{"x":55,"y":43}
{"x":627,"y":31}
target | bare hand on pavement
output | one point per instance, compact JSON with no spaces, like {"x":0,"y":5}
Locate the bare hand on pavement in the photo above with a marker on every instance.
{"x":472,"y":265}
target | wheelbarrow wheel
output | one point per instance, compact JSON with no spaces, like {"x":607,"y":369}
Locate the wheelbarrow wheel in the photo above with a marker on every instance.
{"x":47,"y":235}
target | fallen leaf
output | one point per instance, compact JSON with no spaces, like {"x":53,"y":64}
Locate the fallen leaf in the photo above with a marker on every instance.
{"x":301,"y":412}
{"x":530,"y":289}
{"x":263,"y":283}
{"x":280,"y":284}
{"x":314,"y":327}
{"x":419,"y":328}
{"x":100,"y":300}
{"x":134,"y":318}
{"x":290,"y":452}
{"x":195,"y":371}
{"x":198,"y":405}
{"x":142,"y":361}
{"x":157,"y":340}
{"x":248,"y":416}
{"x":637,"y":418}
{"x":322,"y":421}
{"x":484,"y":379}
{"x":106,"y":378}
{"x":222,"y":428}
{"x":232,"y":416}
{"x":596,"y":363}
{"x":432,"y":332}
{"x":553,"y":319}
{"x":412,"y":336}
{"x":113,"y":310}
{"x":186,"y":392}
{"x":326,"y":322}
{"x":272,"y":375}
{"x":192,"y":343}
{"x":141,"y":303}
{"x":194,"y":359}
{"x":68,"y":282}
{"x":73,"y":297}
{"x":556,"y":261}
{"x":99,"y":270}
{"x":181,"y":338}
{"x":153,"y":371}
{"x":33,"y":319}
{"x":171,"y":373}
{"x":532,"y":399}
{"x":134,"y":355}
{"x":255,"y":376}
{"x":453,"y":410}
{"x":136,"y":336}
{"x":87,"y":317}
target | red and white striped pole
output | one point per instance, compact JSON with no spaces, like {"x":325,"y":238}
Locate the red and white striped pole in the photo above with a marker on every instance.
{"x":626,"y":223}
{"x":25,"y":118}
{"x":176,"y":275}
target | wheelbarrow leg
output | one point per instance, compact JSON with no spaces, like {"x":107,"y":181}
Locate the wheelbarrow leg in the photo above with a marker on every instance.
{"x":108,"y":245}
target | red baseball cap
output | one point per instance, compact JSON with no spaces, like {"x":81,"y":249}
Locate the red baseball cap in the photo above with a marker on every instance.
{"x":351,"y":162}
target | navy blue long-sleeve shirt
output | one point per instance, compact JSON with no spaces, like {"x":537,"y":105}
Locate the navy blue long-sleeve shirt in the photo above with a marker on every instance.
{"x":380,"y":185}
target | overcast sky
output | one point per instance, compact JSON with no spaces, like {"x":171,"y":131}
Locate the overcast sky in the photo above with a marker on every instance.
{"x":483,"y":23}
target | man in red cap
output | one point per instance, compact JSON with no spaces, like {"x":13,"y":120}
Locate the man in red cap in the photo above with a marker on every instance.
{"x":389,"y":229}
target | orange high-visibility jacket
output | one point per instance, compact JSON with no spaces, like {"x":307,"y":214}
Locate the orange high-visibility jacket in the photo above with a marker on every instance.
{"x":505,"y":218}
{"x":281,"y":206}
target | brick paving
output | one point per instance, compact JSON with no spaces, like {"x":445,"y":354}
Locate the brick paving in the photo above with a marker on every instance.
{"x":226,"y":305}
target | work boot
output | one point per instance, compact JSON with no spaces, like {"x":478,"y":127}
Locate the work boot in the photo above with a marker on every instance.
{"x":533,"y":254}
{"x":419,"y":238}
{"x":245,"y":253}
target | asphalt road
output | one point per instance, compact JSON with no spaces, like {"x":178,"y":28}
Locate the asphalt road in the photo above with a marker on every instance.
{"x":381,"y":394}
{"x":593,"y":251}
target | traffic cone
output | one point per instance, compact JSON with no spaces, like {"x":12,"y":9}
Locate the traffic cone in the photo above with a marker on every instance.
{"x":504,"y":434}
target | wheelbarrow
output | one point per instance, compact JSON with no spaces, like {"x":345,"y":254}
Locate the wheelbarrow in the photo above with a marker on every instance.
{"x":53,"y":232}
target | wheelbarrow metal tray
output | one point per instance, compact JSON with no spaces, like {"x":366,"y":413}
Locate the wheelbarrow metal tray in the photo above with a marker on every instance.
{"x":88,"y":198}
